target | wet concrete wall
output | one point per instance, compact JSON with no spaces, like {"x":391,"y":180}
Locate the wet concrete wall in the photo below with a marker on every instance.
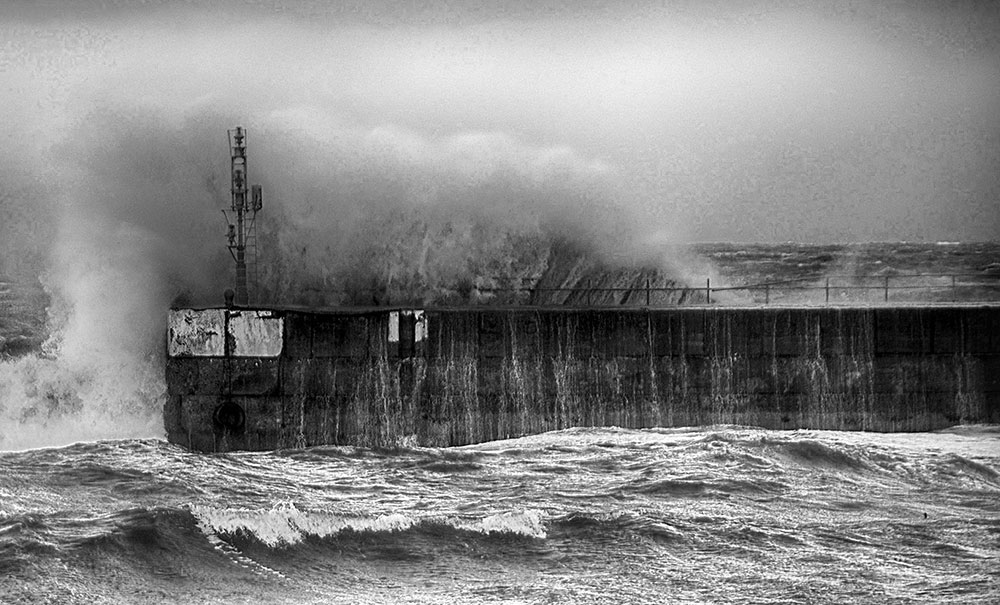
{"x":448,"y":377}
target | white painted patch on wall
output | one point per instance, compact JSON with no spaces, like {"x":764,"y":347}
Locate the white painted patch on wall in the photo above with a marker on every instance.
{"x":256,"y":333}
{"x":196,"y":333}
{"x":420,"y":327}
{"x":419,"y":324}
{"x":202,"y":333}
{"x":393,"y":326}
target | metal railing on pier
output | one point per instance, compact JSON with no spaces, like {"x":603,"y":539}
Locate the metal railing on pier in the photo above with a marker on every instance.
{"x":831,"y":289}
{"x":897,"y":288}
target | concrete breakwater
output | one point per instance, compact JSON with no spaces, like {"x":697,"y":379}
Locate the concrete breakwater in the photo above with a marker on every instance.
{"x":275,"y":378}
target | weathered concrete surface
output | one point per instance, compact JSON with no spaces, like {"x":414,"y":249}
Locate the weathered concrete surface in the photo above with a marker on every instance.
{"x":191,"y":332}
{"x":445,"y":377}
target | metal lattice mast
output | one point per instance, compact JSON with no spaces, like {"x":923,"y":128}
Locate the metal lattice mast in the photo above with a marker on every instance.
{"x":245,"y":229}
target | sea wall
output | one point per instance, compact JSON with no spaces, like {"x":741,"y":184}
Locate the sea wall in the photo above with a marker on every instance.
{"x":265,"y":379}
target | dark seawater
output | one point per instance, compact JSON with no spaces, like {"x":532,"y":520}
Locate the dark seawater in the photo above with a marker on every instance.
{"x":857,"y":273}
{"x":719,"y":514}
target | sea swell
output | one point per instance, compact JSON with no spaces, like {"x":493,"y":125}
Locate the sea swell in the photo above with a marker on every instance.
{"x":727,"y":514}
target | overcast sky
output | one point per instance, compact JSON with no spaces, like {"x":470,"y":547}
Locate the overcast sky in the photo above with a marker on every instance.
{"x":703,"y":121}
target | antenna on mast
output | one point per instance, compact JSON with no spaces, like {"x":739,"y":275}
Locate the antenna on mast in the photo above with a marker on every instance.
{"x":244,"y":233}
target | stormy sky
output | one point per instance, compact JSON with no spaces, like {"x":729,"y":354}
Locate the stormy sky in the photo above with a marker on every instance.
{"x":699,"y":121}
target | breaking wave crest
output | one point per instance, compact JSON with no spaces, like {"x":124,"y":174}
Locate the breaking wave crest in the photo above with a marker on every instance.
{"x":285,"y":525}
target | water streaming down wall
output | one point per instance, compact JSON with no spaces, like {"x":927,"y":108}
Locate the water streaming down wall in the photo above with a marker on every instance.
{"x":457,"y":376}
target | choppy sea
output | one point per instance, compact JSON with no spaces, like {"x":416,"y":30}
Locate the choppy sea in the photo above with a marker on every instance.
{"x":720,"y":514}
{"x":717,"y":514}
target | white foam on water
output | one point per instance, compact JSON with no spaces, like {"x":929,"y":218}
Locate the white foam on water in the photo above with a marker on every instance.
{"x":233,"y":553}
{"x":528,"y":523}
{"x":285,"y":524}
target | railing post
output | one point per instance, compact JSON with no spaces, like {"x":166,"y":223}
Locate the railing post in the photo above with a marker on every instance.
{"x":708,"y":290}
{"x":886,"y":288}
{"x":828,"y":290}
{"x":588,"y":292}
{"x":954,"y":293}
{"x":767,"y":294}
{"x":647,"y":291}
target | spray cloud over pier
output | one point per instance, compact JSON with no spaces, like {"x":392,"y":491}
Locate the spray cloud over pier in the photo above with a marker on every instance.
{"x":409,"y":153}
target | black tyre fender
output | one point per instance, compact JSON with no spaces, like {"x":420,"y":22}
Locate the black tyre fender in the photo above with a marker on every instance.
{"x":229,"y":417}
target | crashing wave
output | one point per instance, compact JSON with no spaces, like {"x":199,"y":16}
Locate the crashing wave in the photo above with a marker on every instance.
{"x":285,"y":524}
